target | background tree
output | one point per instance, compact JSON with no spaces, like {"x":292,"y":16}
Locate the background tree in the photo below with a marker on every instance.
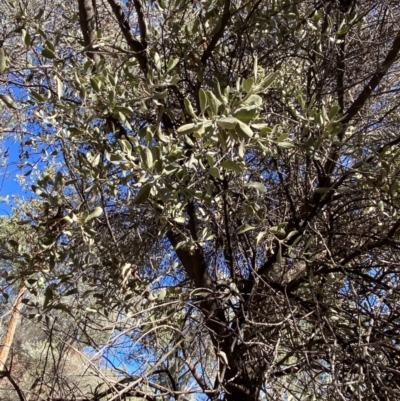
{"x":40,"y":354}
{"x":220,"y":180}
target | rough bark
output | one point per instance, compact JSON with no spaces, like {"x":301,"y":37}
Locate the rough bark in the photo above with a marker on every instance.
{"x":87,"y":18}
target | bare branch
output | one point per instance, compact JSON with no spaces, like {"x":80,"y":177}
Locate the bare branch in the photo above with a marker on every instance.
{"x":374,"y":81}
{"x":142,"y":22}
{"x":218,"y":34}
{"x":137,"y":47}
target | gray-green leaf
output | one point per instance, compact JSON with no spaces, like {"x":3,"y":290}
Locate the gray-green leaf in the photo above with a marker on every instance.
{"x":48,"y":53}
{"x":172,"y":64}
{"x":187,"y":128}
{"x":244,"y":228}
{"x":227,"y":122}
{"x":189,"y":108}
{"x":147,"y":158}
{"x":286,"y":145}
{"x":243,"y":130}
{"x":143,"y":194}
{"x":7,"y":100}
{"x":256,"y":185}
{"x":214,"y":172}
{"x":248,"y":84}
{"x":3,"y":63}
{"x":96,"y":212}
{"x":231,"y":165}
{"x":203,"y":100}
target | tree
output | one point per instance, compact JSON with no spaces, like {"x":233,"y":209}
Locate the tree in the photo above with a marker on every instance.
{"x":38,"y":357}
{"x":220,"y":180}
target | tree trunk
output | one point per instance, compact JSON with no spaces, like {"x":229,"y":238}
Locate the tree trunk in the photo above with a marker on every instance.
{"x":12,"y":325}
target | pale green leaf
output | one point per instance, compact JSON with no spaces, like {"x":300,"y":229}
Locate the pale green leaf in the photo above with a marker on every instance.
{"x":248,"y":209}
{"x":172,"y":64}
{"x":285,"y":145}
{"x":7,"y":100}
{"x":214,"y":172}
{"x":162,"y":294}
{"x":248,"y":84}
{"x":343,"y":30}
{"x":96,"y":212}
{"x":244,"y":228}
{"x":94,"y":84}
{"x":231,"y":165}
{"x":227,"y":122}
{"x":157,"y":61}
{"x":257,"y":185}
{"x":59,"y":87}
{"x":161,"y":136}
{"x":189,"y":108}
{"x":160,"y":95}
{"x":3,"y":63}
{"x":253,"y":100}
{"x":260,"y":236}
{"x":202,"y":100}
{"x":333,"y":111}
{"x":261,"y":126}
{"x":246,"y":114}
{"x":147,"y":158}
{"x":187,"y":128}
{"x":243,"y":130}
{"x":268,"y":80}
{"x":241,"y":149}
{"x":26,"y":38}
{"x":213,"y":102}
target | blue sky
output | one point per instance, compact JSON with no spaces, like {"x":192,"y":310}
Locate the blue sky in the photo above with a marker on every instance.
{"x":8,"y":172}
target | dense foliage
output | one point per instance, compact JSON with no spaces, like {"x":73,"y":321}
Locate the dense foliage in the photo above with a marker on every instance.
{"x":215,"y":192}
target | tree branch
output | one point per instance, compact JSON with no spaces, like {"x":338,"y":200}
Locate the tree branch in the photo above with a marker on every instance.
{"x":192,"y":259}
{"x":228,"y":247}
{"x":16,"y":387}
{"x":217,"y":35}
{"x":87,"y":19}
{"x":142,"y":22}
{"x":374,"y":81}
{"x":357,"y":105}
{"x":377,"y":244}
{"x":135,"y":45}
{"x":212,"y":44}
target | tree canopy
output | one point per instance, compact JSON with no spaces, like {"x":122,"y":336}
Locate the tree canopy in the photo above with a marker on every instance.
{"x":214,"y":192}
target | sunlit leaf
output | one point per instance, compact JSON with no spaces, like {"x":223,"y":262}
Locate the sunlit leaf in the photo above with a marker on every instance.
{"x":202,"y":100}
{"x":96,"y":212}
{"x":172,"y":64}
{"x":3,"y":63}
{"x":285,"y":145}
{"x":256,"y":185}
{"x":8,"y":101}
